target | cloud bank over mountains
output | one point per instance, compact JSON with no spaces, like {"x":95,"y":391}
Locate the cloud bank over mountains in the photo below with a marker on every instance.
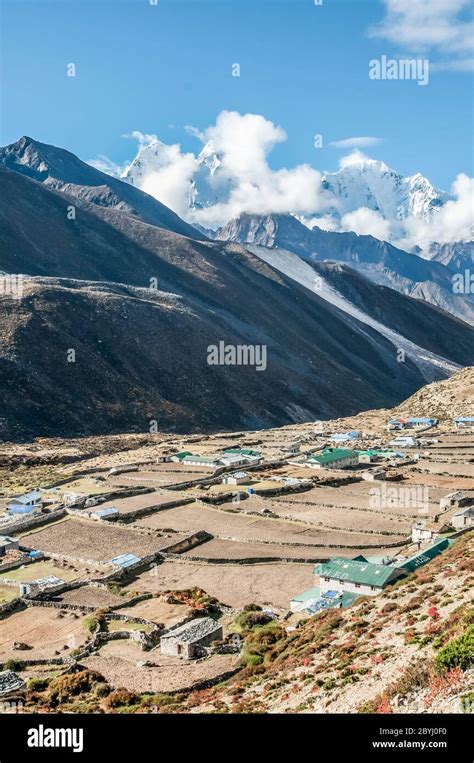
{"x":231,"y":175}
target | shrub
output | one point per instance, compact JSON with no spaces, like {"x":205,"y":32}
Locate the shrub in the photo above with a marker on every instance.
{"x":260,"y":643}
{"x":247,"y":620}
{"x":457,"y":653}
{"x":38,"y":684}
{"x":467,"y":702}
{"x":122,"y":698}
{"x":413,"y":603}
{"x":114,"y":588}
{"x":415,"y":676}
{"x":102,"y":690}
{"x":444,"y":684}
{"x":369,"y":707}
{"x":90,"y":623}
{"x":384,"y":707}
{"x":14,"y":665}
{"x":253,"y":659}
{"x":68,"y":685}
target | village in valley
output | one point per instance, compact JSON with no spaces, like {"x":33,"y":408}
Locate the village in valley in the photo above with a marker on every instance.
{"x":147,"y":560}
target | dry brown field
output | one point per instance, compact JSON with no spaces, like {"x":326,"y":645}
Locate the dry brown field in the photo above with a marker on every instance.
{"x":92,"y":540}
{"x":117,"y":662}
{"x":50,"y":632}
{"x":272,"y":584}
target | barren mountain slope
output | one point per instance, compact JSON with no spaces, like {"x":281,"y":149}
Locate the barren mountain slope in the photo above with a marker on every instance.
{"x":444,"y":399}
{"x":377,"y":260}
{"x":132,"y":344}
{"x":60,"y":169}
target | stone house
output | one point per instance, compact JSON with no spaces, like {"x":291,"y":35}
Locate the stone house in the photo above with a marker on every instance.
{"x":463,"y":422}
{"x":456,"y":500}
{"x":7,"y":544}
{"x":374,"y":474}
{"x":464,"y":518}
{"x":332,"y":458}
{"x":10,"y":682}
{"x":421,"y":532}
{"x":188,"y":640}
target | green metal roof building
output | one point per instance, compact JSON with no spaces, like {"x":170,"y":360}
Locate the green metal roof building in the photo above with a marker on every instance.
{"x":243,"y":452}
{"x":329,"y":455}
{"x":358,"y":573}
{"x":382,"y":452}
{"x":311,"y":593}
{"x":423,"y":557}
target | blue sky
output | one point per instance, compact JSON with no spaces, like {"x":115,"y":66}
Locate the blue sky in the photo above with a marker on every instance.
{"x":159,"y":68}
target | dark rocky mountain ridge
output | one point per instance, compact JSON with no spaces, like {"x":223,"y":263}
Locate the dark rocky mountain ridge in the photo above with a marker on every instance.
{"x":141,"y":351}
{"x":379,"y":261}
{"x":60,"y":169}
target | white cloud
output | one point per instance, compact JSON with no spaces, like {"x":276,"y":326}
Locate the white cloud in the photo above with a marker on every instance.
{"x":367,"y":222}
{"x":104,"y":164}
{"x":170,"y":181}
{"x":232,"y":175}
{"x":195,"y":132}
{"x":238,"y":145}
{"x":456,"y":65}
{"x":452,"y":222}
{"x":361,"y":142}
{"x":442,"y":27}
{"x":357,"y":158}
{"x":242,"y":143}
{"x":325,"y":222}
{"x":144,"y":139}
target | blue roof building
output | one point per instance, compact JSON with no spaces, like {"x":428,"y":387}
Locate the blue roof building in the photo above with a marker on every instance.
{"x":125,"y":560}
{"x":25,"y":504}
{"x":313,"y":601}
{"x":344,"y":436}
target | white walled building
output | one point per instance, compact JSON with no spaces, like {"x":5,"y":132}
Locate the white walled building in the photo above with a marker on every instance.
{"x":237,"y":478}
{"x":356,"y":576}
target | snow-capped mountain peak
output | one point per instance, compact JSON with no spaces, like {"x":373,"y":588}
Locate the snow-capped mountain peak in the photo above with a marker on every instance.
{"x":365,"y":182}
{"x":209,"y":158}
{"x":150,"y":158}
{"x":361,"y":185}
